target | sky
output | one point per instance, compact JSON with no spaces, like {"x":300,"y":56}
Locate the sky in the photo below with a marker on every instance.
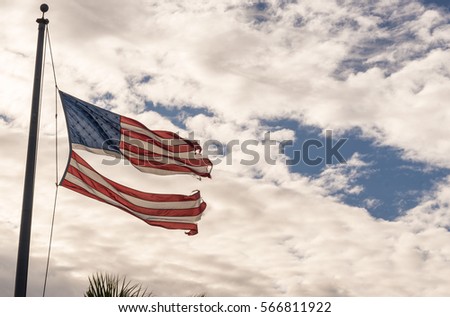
{"x":367,"y":79}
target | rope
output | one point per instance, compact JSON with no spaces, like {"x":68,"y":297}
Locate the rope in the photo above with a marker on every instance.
{"x":56,"y":159}
{"x":53,"y":63}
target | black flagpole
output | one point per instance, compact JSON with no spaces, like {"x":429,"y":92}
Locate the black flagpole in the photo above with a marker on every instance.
{"x":28,"y":191}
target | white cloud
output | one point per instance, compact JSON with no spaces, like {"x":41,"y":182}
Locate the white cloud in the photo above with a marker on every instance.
{"x":433,"y":211}
{"x":342,"y":178}
{"x":372,"y":202}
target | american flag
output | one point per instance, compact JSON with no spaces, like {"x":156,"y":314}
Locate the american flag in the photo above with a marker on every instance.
{"x":100,"y":131}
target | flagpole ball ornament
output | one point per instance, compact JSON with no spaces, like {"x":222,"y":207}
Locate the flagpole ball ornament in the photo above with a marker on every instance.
{"x":44,"y":8}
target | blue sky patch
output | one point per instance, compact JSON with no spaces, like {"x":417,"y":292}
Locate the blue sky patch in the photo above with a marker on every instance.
{"x":261,"y":6}
{"x":440,"y":3}
{"x":145,"y":79}
{"x":103,"y":100}
{"x":177,"y":115}
{"x":397,"y":38}
{"x":5,"y":118}
{"x":390,"y":184}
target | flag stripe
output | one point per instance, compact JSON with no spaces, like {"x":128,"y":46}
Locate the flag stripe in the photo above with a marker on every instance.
{"x":182,"y":148}
{"x":111,"y":198}
{"x":154,"y":148}
{"x":175,"y":169}
{"x":131,"y":192}
{"x":195,"y":160}
{"x":152,"y":135}
{"x":96,"y":181}
{"x":134,"y":125}
{"x":178,"y":208}
{"x":192,"y":227}
{"x":165,"y":163}
{"x":200,"y":167}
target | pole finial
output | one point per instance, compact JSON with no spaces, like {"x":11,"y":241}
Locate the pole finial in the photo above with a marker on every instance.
{"x":44,"y":7}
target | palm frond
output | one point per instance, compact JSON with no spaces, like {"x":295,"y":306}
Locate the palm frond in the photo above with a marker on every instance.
{"x":107,"y":285}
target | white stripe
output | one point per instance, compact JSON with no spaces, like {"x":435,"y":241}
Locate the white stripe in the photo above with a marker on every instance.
{"x":152,"y":135}
{"x":75,"y":180}
{"x":134,"y":200}
{"x":166,"y":160}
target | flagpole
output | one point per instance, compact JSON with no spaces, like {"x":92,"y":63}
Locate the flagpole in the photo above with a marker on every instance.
{"x":30,"y":171}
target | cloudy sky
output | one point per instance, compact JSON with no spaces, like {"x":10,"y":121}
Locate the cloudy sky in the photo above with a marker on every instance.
{"x":375,"y":73}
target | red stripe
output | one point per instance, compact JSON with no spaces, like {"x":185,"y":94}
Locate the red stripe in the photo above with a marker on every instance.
{"x":166,"y":167}
{"x":158,"y":157}
{"x":132,"y":122}
{"x":138,"y":194}
{"x":78,"y":189}
{"x":192,"y":227}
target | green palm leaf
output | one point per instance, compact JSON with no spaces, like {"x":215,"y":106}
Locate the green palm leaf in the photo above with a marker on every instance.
{"x":107,"y":285}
